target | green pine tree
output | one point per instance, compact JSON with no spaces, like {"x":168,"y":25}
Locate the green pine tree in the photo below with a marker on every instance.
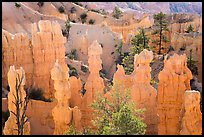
{"x":119,"y":116}
{"x":139,"y":42}
{"x":161,"y":26}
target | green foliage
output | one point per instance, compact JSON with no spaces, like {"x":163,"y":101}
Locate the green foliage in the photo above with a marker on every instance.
{"x":152,"y":81}
{"x":40,"y":4}
{"x":119,"y":116}
{"x":191,"y":64}
{"x":65,"y":32}
{"x":161,"y":25}
{"x":73,"y":10}
{"x":67,"y":25}
{"x":72,"y":71}
{"x":189,"y":29}
{"x":37,"y":94}
{"x":102,"y":73}
{"x":91,"y":21}
{"x":117,"y":13}
{"x":73,"y":131}
{"x":73,"y":54}
{"x":139,"y":42}
{"x":61,"y":9}
{"x":84,"y":68}
{"x":83,"y":17}
{"x":18,"y":5}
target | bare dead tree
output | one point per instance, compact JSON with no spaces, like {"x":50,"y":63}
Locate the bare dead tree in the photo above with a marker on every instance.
{"x":21,"y":119}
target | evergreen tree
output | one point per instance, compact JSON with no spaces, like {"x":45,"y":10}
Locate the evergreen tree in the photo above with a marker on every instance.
{"x":161,"y":27}
{"x":119,"y":116}
{"x":191,"y":64}
{"x":139,"y":42}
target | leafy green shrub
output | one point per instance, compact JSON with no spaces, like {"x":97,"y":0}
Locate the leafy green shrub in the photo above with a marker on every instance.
{"x":61,"y":9}
{"x":83,"y":17}
{"x":84,"y":68}
{"x":94,"y":10}
{"x":117,"y":13}
{"x":37,"y":94}
{"x":40,"y":4}
{"x":73,"y":54}
{"x":91,"y":21}
{"x":102,"y":73}
{"x":73,"y":10}
{"x":189,"y":29}
{"x":72,"y":71}
{"x":18,"y":5}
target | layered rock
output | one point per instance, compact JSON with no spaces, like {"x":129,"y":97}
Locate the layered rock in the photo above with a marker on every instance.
{"x":62,"y":113}
{"x":189,"y":41}
{"x":192,"y":119}
{"x":16,"y":50}
{"x":174,"y":80}
{"x":94,"y":83}
{"x":127,"y":28}
{"x":63,"y":96}
{"x":16,"y":78}
{"x":75,"y":88}
{"x":48,"y":45}
{"x":142,"y":93}
{"x":36,"y":56}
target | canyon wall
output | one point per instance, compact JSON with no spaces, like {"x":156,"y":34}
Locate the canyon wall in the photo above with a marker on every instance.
{"x":174,"y":80}
{"x":192,"y":118}
{"x":82,"y":34}
{"x":35,"y":55}
{"x":142,"y":93}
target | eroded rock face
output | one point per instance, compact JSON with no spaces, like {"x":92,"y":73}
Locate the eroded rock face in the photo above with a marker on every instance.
{"x":15,"y":77}
{"x":174,"y":80}
{"x":142,"y":93}
{"x":35,"y":55}
{"x":48,"y":45}
{"x":76,"y":96}
{"x":192,"y":119}
{"x":94,"y":83}
{"x":62,"y":113}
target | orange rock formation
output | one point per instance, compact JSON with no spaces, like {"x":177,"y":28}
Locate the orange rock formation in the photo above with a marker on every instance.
{"x":142,"y":93}
{"x":15,"y":77}
{"x":192,"y":119}
{"x":94,"y":82}
{"x":63,"y":115}
{"x":36,"y":55}
{"x":174,"y":80}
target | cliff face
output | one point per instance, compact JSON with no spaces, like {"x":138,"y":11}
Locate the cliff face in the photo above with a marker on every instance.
{"x":174,"y":80}
{"x":82,"y":37}
{"x":35,"y":55}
